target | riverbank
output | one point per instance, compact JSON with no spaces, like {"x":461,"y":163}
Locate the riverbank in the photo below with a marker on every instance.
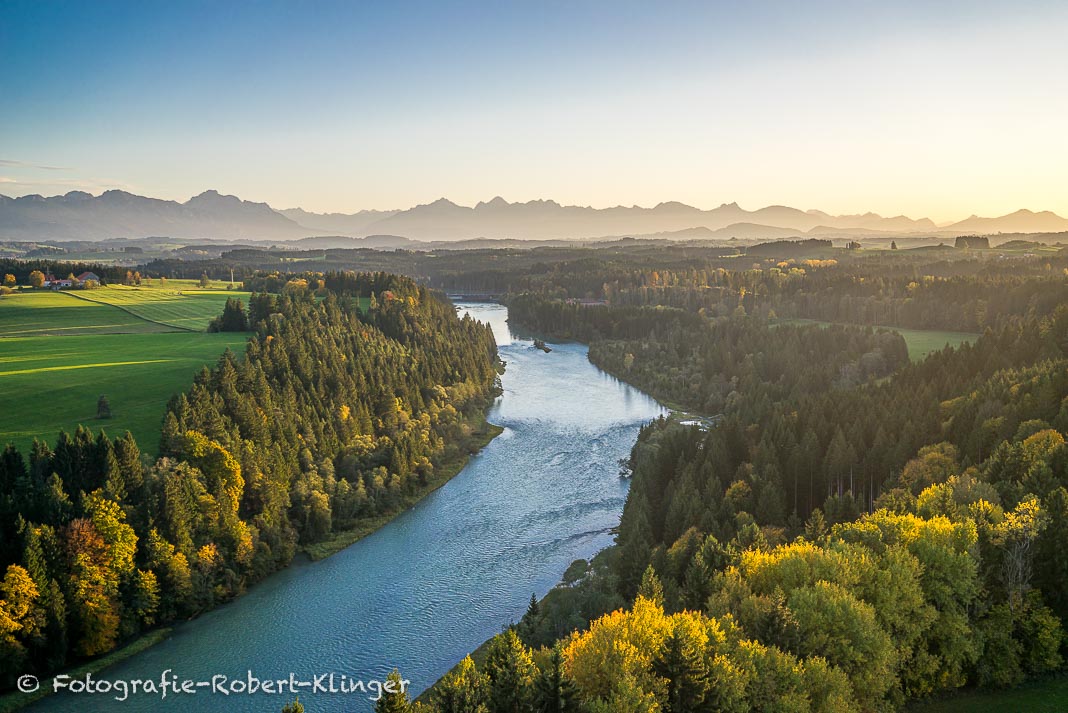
{"x":14,"y":700}
{"x":442,"y":576}
{"x":479,"y":439}
{"x":676,"y":412}
{"x":483,"y":433}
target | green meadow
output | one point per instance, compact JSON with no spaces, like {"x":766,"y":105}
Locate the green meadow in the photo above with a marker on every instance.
{"x":28,"y":314}
{"x":920,"y":342}
{"x":181,"y":306}
{"x":60,"y":351}
{"x":53,"y":383}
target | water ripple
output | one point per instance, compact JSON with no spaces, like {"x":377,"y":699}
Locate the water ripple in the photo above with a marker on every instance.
{"x":444,"y":576}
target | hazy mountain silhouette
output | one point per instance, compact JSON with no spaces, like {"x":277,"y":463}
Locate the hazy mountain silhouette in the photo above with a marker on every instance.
{"x":118,"y":214}
{"x":543,"y":219}
{"x":1022,"y":221}
{"x":337,"y":223}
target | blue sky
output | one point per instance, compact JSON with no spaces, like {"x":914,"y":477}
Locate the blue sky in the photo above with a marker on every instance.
{"x":925,"y":108}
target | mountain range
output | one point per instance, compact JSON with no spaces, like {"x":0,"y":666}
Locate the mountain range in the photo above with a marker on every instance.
{"x":118,"y":214}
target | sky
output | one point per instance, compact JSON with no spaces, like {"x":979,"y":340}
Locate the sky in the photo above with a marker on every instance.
{"x":937,"y":109}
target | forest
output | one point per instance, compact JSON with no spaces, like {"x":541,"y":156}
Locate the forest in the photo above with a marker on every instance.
{"x":925,"y":288}
{"x":348,"y":402}
{"x":852,"y":532}
{"x":840,"y":529}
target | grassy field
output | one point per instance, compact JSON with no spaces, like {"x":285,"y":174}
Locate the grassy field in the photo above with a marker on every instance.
{"x":1046,"y":696}
{"x":182,"y":306}
{"x":920,"y":342}
{"x":28,"y":314}
{"x":53,"y":383}
{"x":59,"y":351}
{"x":114,"y":309}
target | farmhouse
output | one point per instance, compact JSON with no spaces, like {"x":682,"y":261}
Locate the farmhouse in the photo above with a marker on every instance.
{"x":51,"y":282}
{"x":86,"y":276}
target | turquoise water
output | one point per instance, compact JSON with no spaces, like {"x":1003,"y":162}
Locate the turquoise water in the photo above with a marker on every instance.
{"x":441,"y":578}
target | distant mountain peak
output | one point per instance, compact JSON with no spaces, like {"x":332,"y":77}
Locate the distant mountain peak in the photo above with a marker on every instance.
{"x":121,"y":214}
{"x":211,"y":214}
{"x":213,"y":196}
{"x":671,"y":205}
{"x":495,"y":202}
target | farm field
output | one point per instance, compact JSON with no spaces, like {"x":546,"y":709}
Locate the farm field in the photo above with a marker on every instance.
{"x":28,"y":314}
{"x":53,"y":383}
{"x":920,"y":342}
{"x":183,"y":306}
{"x":59,"y":351}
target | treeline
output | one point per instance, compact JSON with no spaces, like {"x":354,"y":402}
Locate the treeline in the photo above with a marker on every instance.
{"x":21,"y":269}
{"x":928,"y":288}
{"x":335,"y":415}
{"x":707,"y":365}
{"x":719,"y":597}
{"x":840,"y":450}
{"x":790,"y":248}
{"x":932,"y":559}
{"x":843,"y":293}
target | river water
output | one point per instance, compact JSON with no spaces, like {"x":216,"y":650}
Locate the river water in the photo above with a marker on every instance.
{"x":441,"y":578}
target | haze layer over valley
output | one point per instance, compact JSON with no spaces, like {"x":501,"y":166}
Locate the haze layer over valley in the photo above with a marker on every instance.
{"x":78,"y":215}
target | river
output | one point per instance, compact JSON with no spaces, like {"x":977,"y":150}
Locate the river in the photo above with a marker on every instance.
{"x":441,"y":578}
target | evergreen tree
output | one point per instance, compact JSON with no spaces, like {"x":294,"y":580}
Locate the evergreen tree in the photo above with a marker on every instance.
{"x":510,"y":671}
{"x":554,"y":691}
{"x":529,"y":623}
{"x":463,"y":690}
{"x":394,"y":697}
{"x":681,"y":663}
{"x":651,"y":588}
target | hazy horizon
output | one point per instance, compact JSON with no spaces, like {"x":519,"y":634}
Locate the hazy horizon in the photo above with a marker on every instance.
{"x":748,"y":208}
{"x":927,"y":110}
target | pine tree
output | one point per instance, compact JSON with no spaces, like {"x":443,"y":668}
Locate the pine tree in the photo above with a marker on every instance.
{"x":510,"y":671}
{"x":103,"y":407}
{"x":463,"y":690}
{"x":108,"y":474}
{"x":816,"y":526}
{"x":651,"y":587}
{"x":682,"y":664}
{"x":528,"y":625}
{"x":554,"y":691}
{"x":394,"y":697}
